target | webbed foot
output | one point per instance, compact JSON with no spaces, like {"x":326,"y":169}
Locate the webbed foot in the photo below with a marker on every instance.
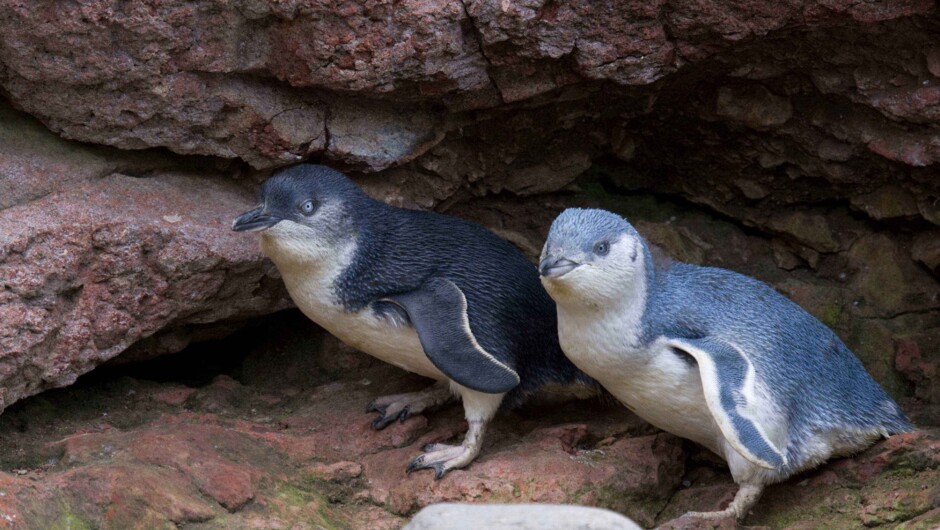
{"x":744,"y":500}
{"x":401,"y":406}
{"x":443,"y":458}
{"x":479,"y":409}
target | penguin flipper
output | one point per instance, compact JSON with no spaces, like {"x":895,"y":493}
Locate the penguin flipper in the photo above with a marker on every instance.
{"x":727,"y":379}
{"x":438,"y":311}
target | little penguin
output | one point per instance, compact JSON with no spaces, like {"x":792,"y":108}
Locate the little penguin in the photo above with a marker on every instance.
{"x":432,"y":294}
{"x":709,"y":355}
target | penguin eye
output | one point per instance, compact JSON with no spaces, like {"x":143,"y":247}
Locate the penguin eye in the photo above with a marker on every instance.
{"x":307,"y":207}
{"x":601,"y":248}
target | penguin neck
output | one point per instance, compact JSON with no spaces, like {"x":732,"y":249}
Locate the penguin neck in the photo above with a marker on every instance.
{"x":301,"y":264}
{"x":312,"y":252}
{"x":627,"y":313}
{"x":633,"y":307}
{"x":365,"y":277}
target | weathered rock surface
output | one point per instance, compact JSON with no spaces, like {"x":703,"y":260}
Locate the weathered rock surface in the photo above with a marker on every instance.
{"x":250,"y":449}
{"x":89,"y":271}
{"x":269,"y":82}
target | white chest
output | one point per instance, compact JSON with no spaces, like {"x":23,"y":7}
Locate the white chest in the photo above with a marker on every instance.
{"x":310,"y":285}
{"x":652,"y":381}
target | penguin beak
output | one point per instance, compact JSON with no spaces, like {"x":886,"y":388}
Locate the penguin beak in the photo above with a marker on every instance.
{"x":553,"y":267}
{"x":254,"y":220}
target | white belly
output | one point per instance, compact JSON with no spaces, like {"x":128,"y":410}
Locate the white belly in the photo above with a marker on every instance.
{"x":653,"y":382}
{"x":363,"y":330}
{"x":666,"y":393}
{"x":310,"y":286}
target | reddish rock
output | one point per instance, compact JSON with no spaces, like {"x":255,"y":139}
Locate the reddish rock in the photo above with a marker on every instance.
{"x":229,"y":484}
{"x":103,"y":265}
{"x":201,"y":75}
{"x":11,"y":515}
{"x":628,"y":473}
{"x":566,"y":437}
{"x":917,"y":357}
{"x":194,"y":451}
{"x":196,"y":456}
{"x":111,"y":494}
{"x":247,"y":82}
{"x":174,"y":396}
{"x":335,"y":472}
{"x":322,"y":464}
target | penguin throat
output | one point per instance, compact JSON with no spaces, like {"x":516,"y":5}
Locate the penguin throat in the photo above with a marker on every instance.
{"x":627,"y":312}
{"x":597,"y":339}
{"x":601,"y":330}
{"x":288,"y":251}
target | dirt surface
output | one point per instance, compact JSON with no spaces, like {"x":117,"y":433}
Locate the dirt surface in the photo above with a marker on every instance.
{"x":268,"y":429}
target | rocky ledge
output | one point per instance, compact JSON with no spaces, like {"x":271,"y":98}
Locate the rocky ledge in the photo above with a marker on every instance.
{"x":269,"y":430}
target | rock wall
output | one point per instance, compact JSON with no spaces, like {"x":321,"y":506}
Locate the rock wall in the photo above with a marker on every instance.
{"x":796,"y":142}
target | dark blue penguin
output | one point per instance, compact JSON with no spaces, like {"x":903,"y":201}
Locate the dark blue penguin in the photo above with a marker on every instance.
{"x":710,"y":355}
{"x":433,"y":294}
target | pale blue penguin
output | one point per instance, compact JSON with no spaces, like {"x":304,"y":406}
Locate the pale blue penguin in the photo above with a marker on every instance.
{"x":709,"y":355}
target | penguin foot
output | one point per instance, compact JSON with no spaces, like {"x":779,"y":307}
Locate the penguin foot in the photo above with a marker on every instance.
{"x":744,"y":500}
{"x":401,"y":406}
{"x":443,"y":458}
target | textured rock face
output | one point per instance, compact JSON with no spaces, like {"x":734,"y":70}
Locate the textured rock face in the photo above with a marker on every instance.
{"x":796,"y":142}
{"x":85,"y":273}
{"x":266,"y":82}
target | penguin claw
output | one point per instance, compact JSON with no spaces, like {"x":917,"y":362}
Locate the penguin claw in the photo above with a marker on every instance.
{"x":441,"y":458}
{"x":384,"y":420}
{"x":402,"y":406}
{"x":415,"y":464}
{"x":377,"y":423}
{"x":440,"y":468}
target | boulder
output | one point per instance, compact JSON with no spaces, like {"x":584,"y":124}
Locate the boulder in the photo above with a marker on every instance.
{"x":447,"y":516}
{"x":90,"y":270}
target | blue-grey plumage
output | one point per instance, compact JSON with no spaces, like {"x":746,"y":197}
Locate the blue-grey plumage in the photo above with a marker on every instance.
{"x":710,"y":354}
{"x":433,"y":294}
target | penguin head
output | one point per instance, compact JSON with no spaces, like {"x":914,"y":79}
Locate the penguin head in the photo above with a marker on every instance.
{"x":592,"y":257}
{"x":306,"y":212}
